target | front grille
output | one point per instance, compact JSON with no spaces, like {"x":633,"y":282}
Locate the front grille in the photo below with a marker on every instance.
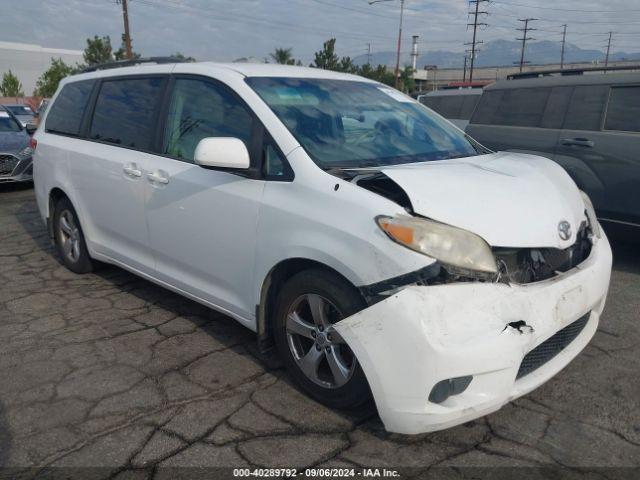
{"x":551,"y":347}
{"x":7,"y":163}
{"x":527,"y":265}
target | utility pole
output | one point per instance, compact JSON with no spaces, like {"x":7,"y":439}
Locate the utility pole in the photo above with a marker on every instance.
{"x":397,"y":71}
{"x":524,"y":38}
{"x":606,"y":59}
{"x":127,"y":34}
{"x":464,"y":70}
{"x":564,"y":40}
{"x":476,"y":13}
{"x":368,"y":53}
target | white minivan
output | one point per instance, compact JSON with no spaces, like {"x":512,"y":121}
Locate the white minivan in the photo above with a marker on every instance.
{"x":386,"y":255}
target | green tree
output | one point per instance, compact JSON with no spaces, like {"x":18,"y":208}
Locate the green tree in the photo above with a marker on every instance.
{"x":11,"y":86}
{"x":98,"y":50}
{"x":121,"y":53}
{"x":180,"y":56}
{"x":346,"y":65}
{"x":327,"y":58}
{"x":380,"y":74}
{"x":283,"y":56}
{"x":48,"y":82}
{"x":408,"y":84}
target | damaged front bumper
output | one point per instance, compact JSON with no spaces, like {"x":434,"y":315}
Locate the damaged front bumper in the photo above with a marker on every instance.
{"x":423,"y":336}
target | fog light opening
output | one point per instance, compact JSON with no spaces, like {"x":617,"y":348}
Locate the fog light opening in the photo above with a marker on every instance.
{"x":451,"y":386}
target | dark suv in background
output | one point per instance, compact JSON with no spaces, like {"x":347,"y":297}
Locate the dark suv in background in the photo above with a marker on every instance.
{"x":588,"y":121}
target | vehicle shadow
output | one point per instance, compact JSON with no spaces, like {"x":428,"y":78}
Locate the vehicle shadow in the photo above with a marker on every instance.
{"x":221,"y":328}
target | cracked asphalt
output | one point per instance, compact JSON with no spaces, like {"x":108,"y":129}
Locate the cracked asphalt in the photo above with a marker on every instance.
{"x":109,"y":370}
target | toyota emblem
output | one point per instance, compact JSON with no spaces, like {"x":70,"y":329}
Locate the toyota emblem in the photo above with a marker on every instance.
{"x":564,"y":230}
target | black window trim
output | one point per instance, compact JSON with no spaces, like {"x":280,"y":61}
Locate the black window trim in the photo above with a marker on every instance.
{"x":86,"y":128}
{"x":258,"y":133}
{"x":83,"y":118}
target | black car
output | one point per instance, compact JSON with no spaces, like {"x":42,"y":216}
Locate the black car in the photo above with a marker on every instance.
{"x":15,"y":149}
{"x":587,"y":121}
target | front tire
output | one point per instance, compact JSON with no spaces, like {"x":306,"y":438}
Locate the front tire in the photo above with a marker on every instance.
{"x":317,"y":358}
{"x":69,"y":238}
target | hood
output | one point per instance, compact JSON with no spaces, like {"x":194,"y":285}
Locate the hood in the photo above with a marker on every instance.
{"x":12,"y":142}
{"x":511,"y":200}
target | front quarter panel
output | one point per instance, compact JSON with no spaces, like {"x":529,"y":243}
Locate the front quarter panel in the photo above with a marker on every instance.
{"x":323,"y":218}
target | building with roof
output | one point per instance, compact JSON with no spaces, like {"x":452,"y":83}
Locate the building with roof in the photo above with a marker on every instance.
{"x":28,"y":61}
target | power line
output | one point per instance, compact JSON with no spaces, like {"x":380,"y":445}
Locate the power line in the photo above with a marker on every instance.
{"x":476,"y":12}
{"x":563,"y":9}
{"x":524,"y":38}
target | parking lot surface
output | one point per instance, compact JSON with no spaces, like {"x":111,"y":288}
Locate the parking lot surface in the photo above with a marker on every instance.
{"x":110,"y":370}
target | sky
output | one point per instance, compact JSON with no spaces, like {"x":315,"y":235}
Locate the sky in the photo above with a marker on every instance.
{"x":226,"y":30}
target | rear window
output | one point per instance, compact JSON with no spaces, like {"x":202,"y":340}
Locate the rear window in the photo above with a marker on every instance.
{"x":623,"y":113}
{"x":66,"y":112}
{"x":20,"y":110}
{"x":586,"y":108}
{"x":126,"y":111}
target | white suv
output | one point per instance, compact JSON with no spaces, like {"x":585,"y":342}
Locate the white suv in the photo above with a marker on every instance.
{"x":386,"y":254}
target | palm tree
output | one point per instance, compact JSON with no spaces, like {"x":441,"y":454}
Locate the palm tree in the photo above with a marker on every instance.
{"x":283,"y":56}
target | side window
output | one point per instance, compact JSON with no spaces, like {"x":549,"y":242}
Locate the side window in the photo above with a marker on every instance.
{"x":522,"y":107}
{"x":623,"y":113}
{"x":201,"y":109}
{"x":126,"y":111}
{"x":556,"y":107}
{"x":487,"y":108}
{"x":66,"y":113}
{"x":586,"y":108}
{"x":274,"y":164}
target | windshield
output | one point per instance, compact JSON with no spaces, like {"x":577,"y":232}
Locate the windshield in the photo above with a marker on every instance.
{"x":20,"y":110}
{"x":345,"y":123}
{"x":8,"y":124}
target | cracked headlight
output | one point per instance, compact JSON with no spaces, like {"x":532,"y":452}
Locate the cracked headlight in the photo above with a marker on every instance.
{"x":450,"y":245}
{"x":25,"y":153}
{"x":591,"y":214}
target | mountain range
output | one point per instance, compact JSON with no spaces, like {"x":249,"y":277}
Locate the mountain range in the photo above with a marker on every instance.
{"x":499,"y":53}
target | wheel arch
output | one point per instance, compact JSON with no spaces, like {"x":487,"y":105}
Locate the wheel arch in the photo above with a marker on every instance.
{"x":271,"y":284}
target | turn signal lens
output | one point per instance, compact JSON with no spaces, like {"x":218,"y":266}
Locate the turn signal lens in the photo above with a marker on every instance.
{"x":451,"y":245}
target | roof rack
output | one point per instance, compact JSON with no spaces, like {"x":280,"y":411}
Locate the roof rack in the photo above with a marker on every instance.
{"x":131,"y":62}
{"x":571,"y":71}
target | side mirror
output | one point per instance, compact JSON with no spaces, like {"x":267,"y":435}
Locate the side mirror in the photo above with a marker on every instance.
{"x":31,"y":128}
{"x":222,"y":152}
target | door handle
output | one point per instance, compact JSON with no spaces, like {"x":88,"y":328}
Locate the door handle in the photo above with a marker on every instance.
{"x":157,"y":177}
{"x":132,"y":170}
{"x":578,"y":142}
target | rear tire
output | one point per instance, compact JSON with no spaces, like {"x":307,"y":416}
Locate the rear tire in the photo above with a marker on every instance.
{"x":318,"y":360}
{"x":69,"y":238}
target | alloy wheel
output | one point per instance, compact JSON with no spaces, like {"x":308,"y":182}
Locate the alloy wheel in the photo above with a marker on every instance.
{"x":69,"y":236}
{"x":317,"y":348}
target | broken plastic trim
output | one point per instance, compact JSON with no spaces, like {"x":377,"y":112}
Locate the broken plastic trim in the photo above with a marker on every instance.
{"x":422,"y":276}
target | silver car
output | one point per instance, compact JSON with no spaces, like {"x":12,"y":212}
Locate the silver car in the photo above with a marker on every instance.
{"x":15,"y":148}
